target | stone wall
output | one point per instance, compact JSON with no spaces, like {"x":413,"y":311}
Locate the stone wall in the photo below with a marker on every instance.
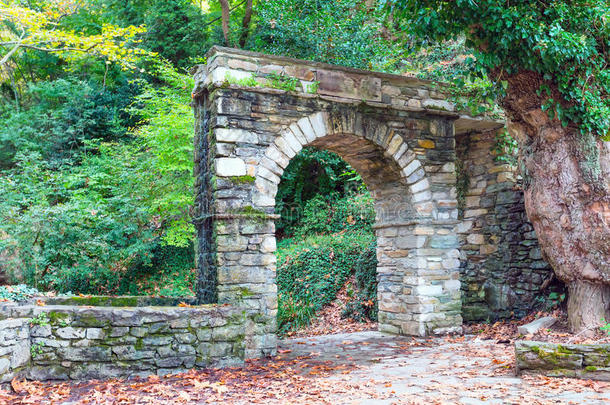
{"x":591,"y":361}
{"x":502,"y":270}
{"x":14,"y":348}
{"x":82,"y":342}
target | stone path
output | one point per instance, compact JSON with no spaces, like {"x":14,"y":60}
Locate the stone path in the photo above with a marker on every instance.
{"x":353,"y":368}
{"x":390,"y":370}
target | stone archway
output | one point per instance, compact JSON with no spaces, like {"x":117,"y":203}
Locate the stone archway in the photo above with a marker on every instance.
{"x":398,"y":133}
{"x":418,"y":290}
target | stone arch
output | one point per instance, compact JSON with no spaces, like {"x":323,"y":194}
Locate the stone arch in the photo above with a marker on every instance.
{"x":247,"y":130}
{"x":418,"y":290}
{"x":314,"y":129}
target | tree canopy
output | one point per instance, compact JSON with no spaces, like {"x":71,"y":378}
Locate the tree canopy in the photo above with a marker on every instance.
{"x":568,"y":42}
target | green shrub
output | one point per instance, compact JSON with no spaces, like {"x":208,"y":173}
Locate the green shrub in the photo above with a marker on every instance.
{"x":311,"y":272}
{"x":312,"y":172}
{"x":324,"y":215}
{"x":171,"y":273}
{"x":19,"y":292}
{"x":364,"y":304}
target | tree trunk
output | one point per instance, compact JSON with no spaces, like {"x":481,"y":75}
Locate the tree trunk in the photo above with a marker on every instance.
{"x":587,"y":305}
{"x":226,"y":13}
{"x":566,"y":185}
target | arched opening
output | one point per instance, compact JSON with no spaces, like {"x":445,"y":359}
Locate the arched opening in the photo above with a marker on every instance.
{"x":415,"y":255}
{"x":407,"y":164}
{"x":326,"y":247}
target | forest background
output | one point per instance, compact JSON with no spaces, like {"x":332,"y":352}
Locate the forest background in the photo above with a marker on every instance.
{"x":96,"y":143}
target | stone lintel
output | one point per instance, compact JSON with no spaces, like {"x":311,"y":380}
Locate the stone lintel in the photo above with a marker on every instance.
{"x":335,"y":83}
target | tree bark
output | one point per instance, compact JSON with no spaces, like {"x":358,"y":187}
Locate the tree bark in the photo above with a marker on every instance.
{"x":566,"y":186}
{"x":586,"y":305}
{"x":225,"y":10}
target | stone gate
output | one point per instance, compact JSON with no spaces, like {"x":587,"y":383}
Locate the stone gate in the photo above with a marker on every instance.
{"x":256,"y":112}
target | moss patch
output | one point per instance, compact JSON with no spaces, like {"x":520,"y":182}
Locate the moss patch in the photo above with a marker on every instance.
{"x":242,"y":179}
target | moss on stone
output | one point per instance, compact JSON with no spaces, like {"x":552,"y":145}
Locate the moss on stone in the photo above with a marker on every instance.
{"x":242,"y":179}
{"x":91,"y":320}
{"x":55,"y":317}
{"x":245,"y":292}
{"x":252,"y":213}
{"x":590,"y":368}
{"x":98,"y":301}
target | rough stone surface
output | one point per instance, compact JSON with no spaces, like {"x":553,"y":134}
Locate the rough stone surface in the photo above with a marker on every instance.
{"x":14,"y":347}
{"x":81,"y":342}
{"x":502,"y":270}
{"x":590,"y":361}
{"x":535,"y":326}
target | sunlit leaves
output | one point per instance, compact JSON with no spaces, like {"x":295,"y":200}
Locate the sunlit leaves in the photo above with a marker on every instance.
{"x":40,"y":28}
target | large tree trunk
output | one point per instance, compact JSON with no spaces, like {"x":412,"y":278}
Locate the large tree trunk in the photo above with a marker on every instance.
{"x":567,"y":182}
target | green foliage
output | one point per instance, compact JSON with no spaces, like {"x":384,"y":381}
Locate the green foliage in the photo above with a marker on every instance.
{"x":283,"y":82}
{"x":165,"y":138}
{"x":363,"y":306}
{"x":312,"y":271}
{"x":324,"y":215}
{"x":564,"y":42}
{"x":36,"y":349}
{"x":74,"y":229}
{"x":20,"y":292}
{"x":171,"y":273}
{"x":313,"y":87}
{"x":342,"y":32}
{"x":84,"y":227}
{"x":249,"y":81}
{"x":41,"y":319}
{"x":181,"y":42}
{"x":605,"y":327}
{"x":310,"y":173}
{"x":505,"y":149}
{"x":67,"y":113}
{"x":553,"y":300}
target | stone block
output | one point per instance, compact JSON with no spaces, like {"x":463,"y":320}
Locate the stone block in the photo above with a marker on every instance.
{"x":306,"y":129}
{"x":235,"y":135}
{"x":70,"y":333}
{"x":226,"y":167}
{"x":535,"y":326}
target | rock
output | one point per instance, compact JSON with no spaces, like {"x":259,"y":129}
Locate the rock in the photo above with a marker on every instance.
{"x":70,"y":333}
{"x":5,"y":364}
{"x":535,"y":326}
{"x":226,"y":167}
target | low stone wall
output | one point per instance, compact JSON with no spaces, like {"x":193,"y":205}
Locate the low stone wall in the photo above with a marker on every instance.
{"x":590,"y":361}
{"x":14,"y":347}
{"x":85,"y":342}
